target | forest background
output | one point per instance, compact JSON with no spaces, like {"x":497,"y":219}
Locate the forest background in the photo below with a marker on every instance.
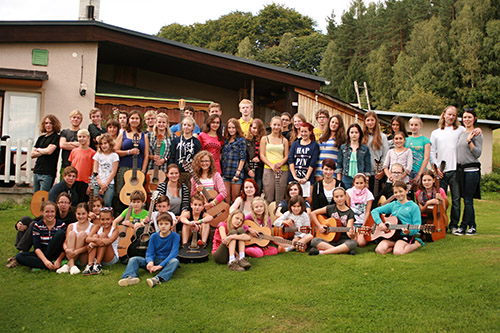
{"x":415,"y":55}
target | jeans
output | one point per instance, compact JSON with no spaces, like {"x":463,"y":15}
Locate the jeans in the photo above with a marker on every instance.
{"x":108,"y":195}
{"x":450,"y":179}
{"x":52,"y":252}
{"x":471,"y":180}
{"x":164,"y":275}
{"x":42,"y":182}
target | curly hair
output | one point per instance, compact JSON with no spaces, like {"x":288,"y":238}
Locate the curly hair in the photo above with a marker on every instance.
{"x":198,"y":171}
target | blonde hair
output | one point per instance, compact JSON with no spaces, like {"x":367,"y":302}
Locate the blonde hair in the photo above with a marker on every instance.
{"x":197,"y":163}
{"x":150,"y":113}
{"x":265,"y":217}
{"x":230,"y":218}
{"x":94,"y":110}
{"x":83,"y":131}
{"x":109,"y":139}
{"x":246,"y":101}
{"x":295,"y":132}
{"x":167,"y":129}
{"x":75,"y":113}
{"x":442,"y":123}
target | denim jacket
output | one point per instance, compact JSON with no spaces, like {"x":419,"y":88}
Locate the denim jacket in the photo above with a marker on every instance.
{"x":364,"y":160}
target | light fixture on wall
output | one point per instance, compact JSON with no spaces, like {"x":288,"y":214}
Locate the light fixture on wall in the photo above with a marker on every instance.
{"x":83,"y":89}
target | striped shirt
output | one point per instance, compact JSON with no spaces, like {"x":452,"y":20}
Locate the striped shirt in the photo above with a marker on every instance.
{"x":164,"y":151}
{"x":42,"y":235}
{"x":327,"y":149}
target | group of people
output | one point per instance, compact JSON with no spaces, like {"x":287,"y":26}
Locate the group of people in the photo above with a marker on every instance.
{"x":286,"y":179}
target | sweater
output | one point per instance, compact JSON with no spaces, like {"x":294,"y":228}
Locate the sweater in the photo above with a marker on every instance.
{"x":163,"y":248}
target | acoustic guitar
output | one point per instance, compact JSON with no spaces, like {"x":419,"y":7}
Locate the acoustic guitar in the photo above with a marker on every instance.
{"x":125,"y":237}
{"x":436,"y":215}
{"x":140,"y":241}
{"x":36,"y":202}
{"x":287,"y":232}
{"x":370,"y":231}
{"x":334,"y":229}
{"x":191,"y":253}
{"x":265,"y":237}
{"x":94,"y":192}
{"x":221,"y":211}
{"x":155,"y":176}
{"x":133,"y":178}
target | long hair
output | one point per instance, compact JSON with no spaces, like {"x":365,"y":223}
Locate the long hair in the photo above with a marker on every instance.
{"x":295,"y":133}
{"x":173,"y":166}
{"x":243,"y":195}
{"x":197,"y":163}
{"x":310,"y":127}
{"x":359,"y":130}
{"x":402,"y":125}
{"x":277,"y":118}
{"x":287,"y":193}
{"x":56,"y":124}
{"x":442,"y":123}
{"x":236,"y":123}
{"x":209,"y":120}
{"x":340,"y":136}
{"x":139,"y":128}
{"x":109,"y":139}
{"x":265,"y":217}
{"x":261,"y":130}
{"x":168,"y":134}
{"x":377,"y":138}
{"x":230,"y":218}
{"x":427,"y":173}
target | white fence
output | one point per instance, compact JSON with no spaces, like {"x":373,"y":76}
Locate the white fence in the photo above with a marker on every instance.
{"x":21,"y":153}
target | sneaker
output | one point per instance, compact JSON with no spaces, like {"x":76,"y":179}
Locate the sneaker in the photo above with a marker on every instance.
{"x":63,"y":269}
{"x":88,"y":270}
{"x":128,"y":281}
{"x":96,"y":269}
{"x":74,"y":270}
{"x":202,"y":243}
{"x":153,"y":282}
{"x":452,"y":230}
{"x":243,"y":262}
{"x":471,"y":232}
{"x":458,"y":232}
{"x":234,"y":266}
{"x":313,"y":251}
{"x":12,"y":263}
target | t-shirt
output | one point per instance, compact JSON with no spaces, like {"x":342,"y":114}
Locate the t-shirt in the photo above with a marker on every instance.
{"x":359,"y":199}
{"x":71,"y":136}
{"x":105,"y":165}
{"x":317,"y":133}
{"x":212,"y":145}
{"x":342,"y":216}
{"x":417,"y":146}
{"x":217,"y":237}
{"x":81,"y":159}
{"x":136,"y":218}
{"x":94,"y":133}
{"x":303,"y":157}
{"x":47,"y":164}
{"x":327,"y":149}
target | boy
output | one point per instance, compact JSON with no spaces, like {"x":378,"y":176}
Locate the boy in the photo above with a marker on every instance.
{"x":81,"y":160}
{"x":69,"y":139}
{"x":188,"y":112}
{"x":150,"y":119}
{"x":95,"y":129}
{"x":161,"y":256}
{"x":138,"y":214}
{"x":196,"y":220}
{"x":246,"y":109}
{"x":215,"y":108}
{"x":66,"y":185}
{"x":162,"y":206}
{"x":322,"y":117}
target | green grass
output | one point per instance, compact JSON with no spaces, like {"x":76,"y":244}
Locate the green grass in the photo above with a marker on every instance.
{"x":450,"y":285}
{"x":496,"y":150}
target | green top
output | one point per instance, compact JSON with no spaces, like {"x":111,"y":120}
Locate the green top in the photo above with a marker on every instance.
{"x":136,"y":218}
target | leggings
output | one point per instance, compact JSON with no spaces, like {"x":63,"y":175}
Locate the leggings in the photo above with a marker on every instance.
{"x":221,"y":255}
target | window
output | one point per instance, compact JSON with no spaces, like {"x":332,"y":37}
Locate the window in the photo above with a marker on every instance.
{"x":21,"y":115}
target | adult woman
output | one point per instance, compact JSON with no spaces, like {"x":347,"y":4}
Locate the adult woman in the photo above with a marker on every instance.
{"x":330,"y":142}
{"x":322,"y":193}
{"x":253,"y":164}
{"x":378,"y":145}
{"x":297,"y":120}
{"x":274,"y":153}
{"x":469,"y":148}
{"x":46,"y":151}
{"x":177,"y":192}
{"x":234,"y":154}
{"x":211,"y":138}
{"x":48,"y":238}
{"x":210,"y":179}
{"x":398,"y":124}
{"x":161,"y":127}
{"x":244,"y":201}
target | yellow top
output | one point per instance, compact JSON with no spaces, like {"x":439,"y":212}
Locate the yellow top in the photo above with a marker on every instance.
{"x":274,"y":154}
{"x":317,"y":133}
{"x":245,"y":126}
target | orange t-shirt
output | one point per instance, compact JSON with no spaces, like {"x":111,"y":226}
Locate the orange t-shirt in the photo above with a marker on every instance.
{"x":81,"y":160}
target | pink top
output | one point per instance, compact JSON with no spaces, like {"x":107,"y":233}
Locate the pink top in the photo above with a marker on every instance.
{"x":212,"y":145}
{"x":259,"y":222}
{"x":218,"y":186}
{"x":217,"y":238}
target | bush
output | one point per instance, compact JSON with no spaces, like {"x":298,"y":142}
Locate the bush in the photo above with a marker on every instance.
{"x":491,"y":182}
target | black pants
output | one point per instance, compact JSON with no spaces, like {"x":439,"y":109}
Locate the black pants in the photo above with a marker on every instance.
{"x":24,"y":239}
{"x":52,"y":252}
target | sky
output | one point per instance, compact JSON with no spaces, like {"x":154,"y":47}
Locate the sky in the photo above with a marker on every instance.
{"x":148,"y":16}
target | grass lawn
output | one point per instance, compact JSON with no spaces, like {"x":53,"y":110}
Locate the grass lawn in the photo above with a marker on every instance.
{"x":450,"y":285}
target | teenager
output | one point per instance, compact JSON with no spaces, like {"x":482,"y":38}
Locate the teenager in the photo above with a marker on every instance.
{"x":69,"y":140}
{"x":233,"y":159}
{"x":420,"y":148}
{"x":246,"y":109}
{"x":322,"y":116}
{"x":46,"y":152}
{"x":330,"y":142}
{"x":211,"y":138}
{"x":378,"y":145}
{"x":253,"y":164}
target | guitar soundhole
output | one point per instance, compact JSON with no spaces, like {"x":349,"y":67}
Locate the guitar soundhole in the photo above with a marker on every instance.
{"x":122,"y":234}
{"x":144,"y":238}
{"x":134,"y":181}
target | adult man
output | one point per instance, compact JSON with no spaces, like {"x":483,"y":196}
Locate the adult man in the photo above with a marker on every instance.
{"x":188,"y":112}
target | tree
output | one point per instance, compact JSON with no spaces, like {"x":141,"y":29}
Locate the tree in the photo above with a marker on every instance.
{"x":177,"y":32}
{"x":380,"y":78}
{"x":421,"y":101}
{"x":245,"y":49}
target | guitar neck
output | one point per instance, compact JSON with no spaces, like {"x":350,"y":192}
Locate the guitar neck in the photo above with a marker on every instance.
{"x":338,"y":229}
{"x":403,"y":226}
{"x":276,"y":239}
{"x":197,"y":180}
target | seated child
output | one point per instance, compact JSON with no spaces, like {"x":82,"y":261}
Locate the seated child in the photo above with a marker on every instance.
{"x":137,"y":200}
{"x":396,"y":173}
{"x":260,"y":215}
{"x":360,"y":200}
{"x":162,"y":206}
{"x":196,"y":220}
{"x":296,"y":217}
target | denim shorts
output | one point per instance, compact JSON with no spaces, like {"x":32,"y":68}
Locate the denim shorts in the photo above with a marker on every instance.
{"x":112,"y":262}
{"x":240,"y":180}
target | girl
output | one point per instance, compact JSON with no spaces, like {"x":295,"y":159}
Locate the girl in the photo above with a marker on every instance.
{"x":46,"y":152}
{"x":297,"y":120}
{"x":260,"y":215}
{"x":112,"y":127}
{"x":122,"y":119}
{"x":229,"y":240}
{"x":360,"y":200}
{"x":428,"y":195}
{"x":102,"y":244}
{"x":210,"y":179}
{"x":211,"y":138}
{"x":234,"y":154}
{"x":285,"y":121}
{"x":292,"y":189}
{"x":420,"y":148}
{"x":184,"y":148}
{"x":274,"y":153}
{"x":161,"y":127}
{"x":177,"y":192}
{"x":401,"y":155}
{"x":408,"y":213}
{"x":248,"y":193}
{"x":195,"y":220}
{"x":302,"y":158}
{"x":106,"y":165}
{"x":354,"y":157}
{"x":340,"y":211}
{"x":469,"y":147}
{"x":323,"y":190}
{"x":329,"y":143}
{"x":253,"y":164}
{"x":397,"y":125}
{"x":378,"y":145}
{"x":74,"y":245}
{"x":296,"y":217}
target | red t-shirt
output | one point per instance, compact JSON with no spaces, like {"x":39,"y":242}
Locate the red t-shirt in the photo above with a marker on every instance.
{"x":81,"y":159}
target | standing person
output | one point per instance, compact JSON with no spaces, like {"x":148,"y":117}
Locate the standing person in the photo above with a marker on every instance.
{"x":246,"y":109}
{"x":330,"y":142}
{"x":106,"y":166}
{"x":81,"y":160}
{"x":188,"y":113}
{"x":397,"y":125}
{"x":161,"y":127}
{"x":122,"y":119}
{"x":150,"y":120}
{"x":69,"y":139}
{"x":420,"y":147}
{"x":95,"y":128}
{"x":353,"y":157}
{"x":285,"y":121}
{"x":234,"y":154}
{"x":177,"y":192}
{"x":322,"y":117}
{"x":46,"y":151}
{"x":253,"y":164}
{"x":297,"y":120}
{"x":211,"y":138}
{"x":469,"y":148}
{"x":215,"y":109}
{"x":322,"y":193}
{"x":378,"y":145}
{"x":274,"y":153}
{"x":401,"y":155}
{"x":113,"y":127}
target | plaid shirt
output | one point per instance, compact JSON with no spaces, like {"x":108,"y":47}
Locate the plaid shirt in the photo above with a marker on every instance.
{"x":165,"y":147}
{"x":232,"y":154}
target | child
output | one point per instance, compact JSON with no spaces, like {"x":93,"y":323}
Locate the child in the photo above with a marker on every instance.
{"x":260,"y":215}
{"x":428,"y":194}
{"x":420,"y":147}
{"x":138,"y":214}
{"x":234,"y":154}
{"x":230,"y":238}
{"x":96,"y":205}
{"x":360,"y":200}
{"x":194,"y":220}
{"x":399,"y":154}
{"x":81,"y":160}
{"x":387,"y":193}
{"x":74,"y":245}
{"x":322,"y":117}
{"x":112,"y":127}
{"x":340,"y":211}
{"x":162,"y":206}
{"x":66,"y":186}
{"x":246,"y":109}
{"x":408,"y":213}
{"x":296,"y":217}
{"x":253,"y":164}
{"x":161,"y":256}
{"x":292,"y":189}
{"x":188,"y":113}
{"x":102,"y":244}
{"x":106,"y":165}
{"x":160,"y":128}
{"x":95,"y":129}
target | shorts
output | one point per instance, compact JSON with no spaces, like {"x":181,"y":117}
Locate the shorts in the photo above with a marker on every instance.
{"x":351,"y":243}
{"x":112,"y":262}
{"x":409,"y":239}
{"x":240,"y":180}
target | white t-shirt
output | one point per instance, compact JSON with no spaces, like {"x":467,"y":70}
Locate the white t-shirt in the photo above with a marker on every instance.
{"x":359,"y":206}
{"x":444,"y":146}
{"x":105,"y":163}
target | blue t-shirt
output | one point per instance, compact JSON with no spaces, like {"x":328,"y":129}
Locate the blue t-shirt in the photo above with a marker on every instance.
{"x":417,"y":146}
